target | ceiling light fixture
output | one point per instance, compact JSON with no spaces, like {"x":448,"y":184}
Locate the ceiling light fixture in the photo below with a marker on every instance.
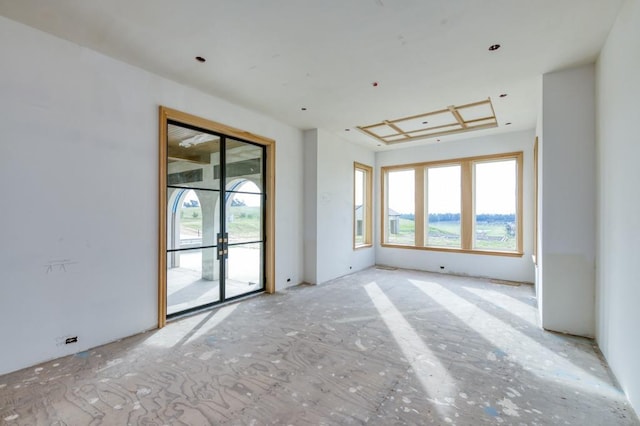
{"x":200,"y":59}
{"x":196,"y":140}
{"x":494,"y":47}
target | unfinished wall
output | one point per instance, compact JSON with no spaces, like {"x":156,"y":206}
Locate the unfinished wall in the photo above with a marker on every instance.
{"x":538,"y":207}
{"x":329,"y":188}
{"x":618,"y":207}
{"x":79,"y":176}
{"x":567,"y":167}
{"x":310,"y":206}
{"x":507,"y":268}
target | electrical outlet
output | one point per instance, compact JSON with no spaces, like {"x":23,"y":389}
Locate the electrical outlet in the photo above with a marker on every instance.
{"x":62,"y":340}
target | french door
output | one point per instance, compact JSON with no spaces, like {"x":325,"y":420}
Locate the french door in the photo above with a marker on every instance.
{"x":215,"y":215}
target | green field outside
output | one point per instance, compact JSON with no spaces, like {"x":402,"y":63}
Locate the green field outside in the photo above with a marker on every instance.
{"x":489,"y":235}
{"x":444,"y":234}
{"x":496,"y":236}
{"x":406,"y":233}
{"x":243,"y":223}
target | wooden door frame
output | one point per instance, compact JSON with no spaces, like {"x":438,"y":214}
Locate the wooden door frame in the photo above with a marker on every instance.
{"x":168,"y":114}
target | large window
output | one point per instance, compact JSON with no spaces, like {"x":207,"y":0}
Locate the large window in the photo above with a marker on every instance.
{"x":468,"y":204}
{"x":362,"y":200}
{"x":495,"y":205}
{"x":443,"y":206}
{"x":401,"y":228}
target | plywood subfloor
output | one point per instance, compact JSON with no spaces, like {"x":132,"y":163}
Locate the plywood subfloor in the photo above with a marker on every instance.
{"x":376,"y":347}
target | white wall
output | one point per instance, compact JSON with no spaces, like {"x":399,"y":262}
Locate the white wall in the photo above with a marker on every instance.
{"x":79,"y":180}
{"x":618,"y":285}
{"x":311,"y":206}
{"x":507,"y":268}
{"x":540,"y":243}
{"x":568,"y":200}
{"x":332,"y":207}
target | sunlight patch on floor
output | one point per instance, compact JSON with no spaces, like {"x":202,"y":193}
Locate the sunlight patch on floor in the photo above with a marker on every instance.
{"x":508,"y":303}
{"x":517,"y":347}
{"x":433,"y":376}
{"x":189,"y":329}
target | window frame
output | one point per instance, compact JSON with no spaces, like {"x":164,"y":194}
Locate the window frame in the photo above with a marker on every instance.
{"x":418,"y":209}
{"x":467,"y":221}
{"x":167,"y":115}
{"x":367,"y":206}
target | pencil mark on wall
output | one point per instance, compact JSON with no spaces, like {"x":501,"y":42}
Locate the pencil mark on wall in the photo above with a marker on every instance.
{"x":53,"y":266}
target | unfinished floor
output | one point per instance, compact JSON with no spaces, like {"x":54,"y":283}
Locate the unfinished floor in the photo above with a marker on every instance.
{"x":377,"y":347}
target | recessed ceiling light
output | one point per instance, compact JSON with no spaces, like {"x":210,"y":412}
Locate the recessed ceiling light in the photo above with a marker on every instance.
{"x":200,"y":59}
{"x":504,"y":95}
{"x":494,"y":47}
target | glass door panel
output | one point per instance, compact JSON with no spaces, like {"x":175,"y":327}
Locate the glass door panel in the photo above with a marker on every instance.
{"x":244,"y":269}
{"x":192,"y":158}
{"x":244,"y":216}
{"x":244,"y":162}
{"x":193,"y":279}
{"x":193,"y":218}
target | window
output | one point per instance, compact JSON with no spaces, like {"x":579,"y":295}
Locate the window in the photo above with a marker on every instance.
{"x":469,"y":205}
{"x":443,"y":206}
{"x":362,"y":199}
{"x":400,"y":214}
{"x":495,"y":205}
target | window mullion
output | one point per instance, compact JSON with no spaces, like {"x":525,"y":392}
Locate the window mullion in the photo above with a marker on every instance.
{"x":519,"y":201}
{"x":419,"y":206}
{"x":466,"y":217}
{"x":384,"y":205}
{"x":369,"y":212}
{"x":362,"y":205}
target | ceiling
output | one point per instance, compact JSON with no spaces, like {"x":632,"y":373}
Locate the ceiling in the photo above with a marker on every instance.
{"x":348,"y":62}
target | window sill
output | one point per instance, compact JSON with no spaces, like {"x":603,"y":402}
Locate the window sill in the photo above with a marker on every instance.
{"x":456,"y":250}
{"x":362,"y":246}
